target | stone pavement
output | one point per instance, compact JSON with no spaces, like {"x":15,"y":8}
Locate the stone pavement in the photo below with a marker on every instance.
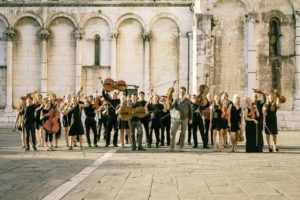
{"x":154,"y":174}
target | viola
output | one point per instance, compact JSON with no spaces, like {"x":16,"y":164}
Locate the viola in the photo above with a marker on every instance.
{"x":225,"y":114}
{"x":52,"y":125}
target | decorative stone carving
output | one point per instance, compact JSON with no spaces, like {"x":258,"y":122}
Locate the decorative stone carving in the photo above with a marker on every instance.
{"x":252,"y":17}
{"x":114,"y":35}
{"x":79,"y":33}
{"x":146,"y":36}
{"x":44,"y":34}
{"x":10,"y":34}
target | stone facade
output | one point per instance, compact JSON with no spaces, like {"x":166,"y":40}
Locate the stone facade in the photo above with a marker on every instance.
{"x":56,"y":46}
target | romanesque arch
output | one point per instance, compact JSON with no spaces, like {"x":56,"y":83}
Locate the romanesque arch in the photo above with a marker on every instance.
{"x":88,"y":17}
{"x":28,"y":15}
{"x":61,"y":55}
{"x":130,"y":54}
{"x":96,"y":44}
{"x":126,"y":16}
{"x":164,"y":54}
{"x":62,"y":15}
{"x":26,"y":56}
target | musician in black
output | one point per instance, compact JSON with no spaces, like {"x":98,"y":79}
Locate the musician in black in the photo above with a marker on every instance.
{"x":259,"y":103}
{"x":165,"y":121}
{"x":198,"y":122}
{"x":155,"y":109}
{"x":112,"y":122}
{"x":44,"y":117}
{"x":145,"y":120}
{"x":102,"y":120}
{"x":29,"y":121}
{"x":90,"y":122}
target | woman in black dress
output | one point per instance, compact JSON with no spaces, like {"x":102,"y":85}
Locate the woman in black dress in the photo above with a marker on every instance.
{"x":155,"y":109}
{"x":270,"y":121}
{"x":251,"y":116}
{"x":235,"y":118}
{"x":38,"y":122}
{"x":76,"y":127}
{"x":215,"y":122}
{"x":44,"y":116}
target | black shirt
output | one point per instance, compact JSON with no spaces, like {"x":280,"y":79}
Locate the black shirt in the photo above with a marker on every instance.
{"x":29,"y":116}
{"x":112,"y":104}
{"x":89,"y":111}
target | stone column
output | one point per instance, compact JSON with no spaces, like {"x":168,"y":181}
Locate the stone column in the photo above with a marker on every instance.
{"x":44,"y":34}
{"x":183,"y":60}
{"x":79,"y":36}
{"x":190,"y":61}
{"x":251,"y":53}
{"x":201,"y":34}
{"x":146,"y":38}
{"x":10,"y":36}
{"x":113,"y":69}
{"x":297,"y":69}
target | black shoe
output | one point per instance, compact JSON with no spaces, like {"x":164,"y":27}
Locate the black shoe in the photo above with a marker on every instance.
{"x":106,"y":145}
{"x":189,"y":143}
{"x":270,"y":150}
{"x":162,"y":145}
{"x":115,"y":145}
{"x":34,"y":148}
{"x":127,"y":142}
{"x":178,"y":143}
{"x":133,"y":149}
{"x":205,"y":147}
{"x":157,"y":145}
{"x":96,"y":145}
{"x":141,"y":149}
{"x":149,"y":145}
{"x":90,"y":145}
{"x":195,"y":147}
{"x":277,"y":150}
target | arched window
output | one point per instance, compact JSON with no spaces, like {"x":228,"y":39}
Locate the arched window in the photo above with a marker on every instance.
{"x":274,"y":52}
{"x":97,"y":50}
{"x":274,"y":37}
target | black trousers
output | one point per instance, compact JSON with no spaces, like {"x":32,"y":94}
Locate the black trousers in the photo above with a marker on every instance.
{"x":90,"y":123}
{"x":101,"y":122}
{"x":30,"y":130}
{"x":190,"y":127}
{"x":207,"y":121}
{"x":156,"y":131}
{"x":165,"y":125}
{"x":145,"y":123}
{"x":112,"y":123}
{"x":198,"y":124}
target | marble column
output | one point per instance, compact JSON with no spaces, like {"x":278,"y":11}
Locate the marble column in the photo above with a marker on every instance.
{"x":297,"y":68}
{"x":183,"y":60}
{"x":44,"y":35}
{"x":251,"y":53}
{"x":146,"y":38}
{"x":79,"y":36}
{"x":10,"y":36}
{"x":113,"y":69}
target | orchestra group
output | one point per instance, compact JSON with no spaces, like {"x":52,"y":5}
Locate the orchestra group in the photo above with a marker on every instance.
{"x":219,"y":120}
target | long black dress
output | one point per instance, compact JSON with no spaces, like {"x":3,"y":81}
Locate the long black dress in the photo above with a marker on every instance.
{"x":271,"y":119}
{"x":155,"y":110}
{"x":235,"y":119}
{"x":76,"y":127}
{"x":251,"y":134}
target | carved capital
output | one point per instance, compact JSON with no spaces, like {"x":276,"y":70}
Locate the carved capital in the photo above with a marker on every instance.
{"x":114,"y":35}
{"x":79,"y":33}
{"x":251,"y":17}
{"x":10,"y":34}
{"x":146,"y":36}
{"x":44,"y":34}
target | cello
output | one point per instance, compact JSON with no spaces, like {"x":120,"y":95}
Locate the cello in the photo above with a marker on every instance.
{"x":52,"y":125}
{"x":170,"y":92}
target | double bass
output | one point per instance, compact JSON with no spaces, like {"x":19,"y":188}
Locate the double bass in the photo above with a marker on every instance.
{"x":110,"y":85}
{"x":170,"y":92}
{"x":203,"y":90}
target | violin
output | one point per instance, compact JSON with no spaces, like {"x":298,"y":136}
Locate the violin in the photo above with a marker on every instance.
{"x":225,"y":114}
{"x":52,"y":125}
{"x":97,"y":103}
{"x":170,"y":92}
{"x":252,"y":113}
{"x":110,"y":85}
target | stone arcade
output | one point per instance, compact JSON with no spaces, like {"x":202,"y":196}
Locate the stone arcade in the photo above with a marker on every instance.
{"x":56,"y":46}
